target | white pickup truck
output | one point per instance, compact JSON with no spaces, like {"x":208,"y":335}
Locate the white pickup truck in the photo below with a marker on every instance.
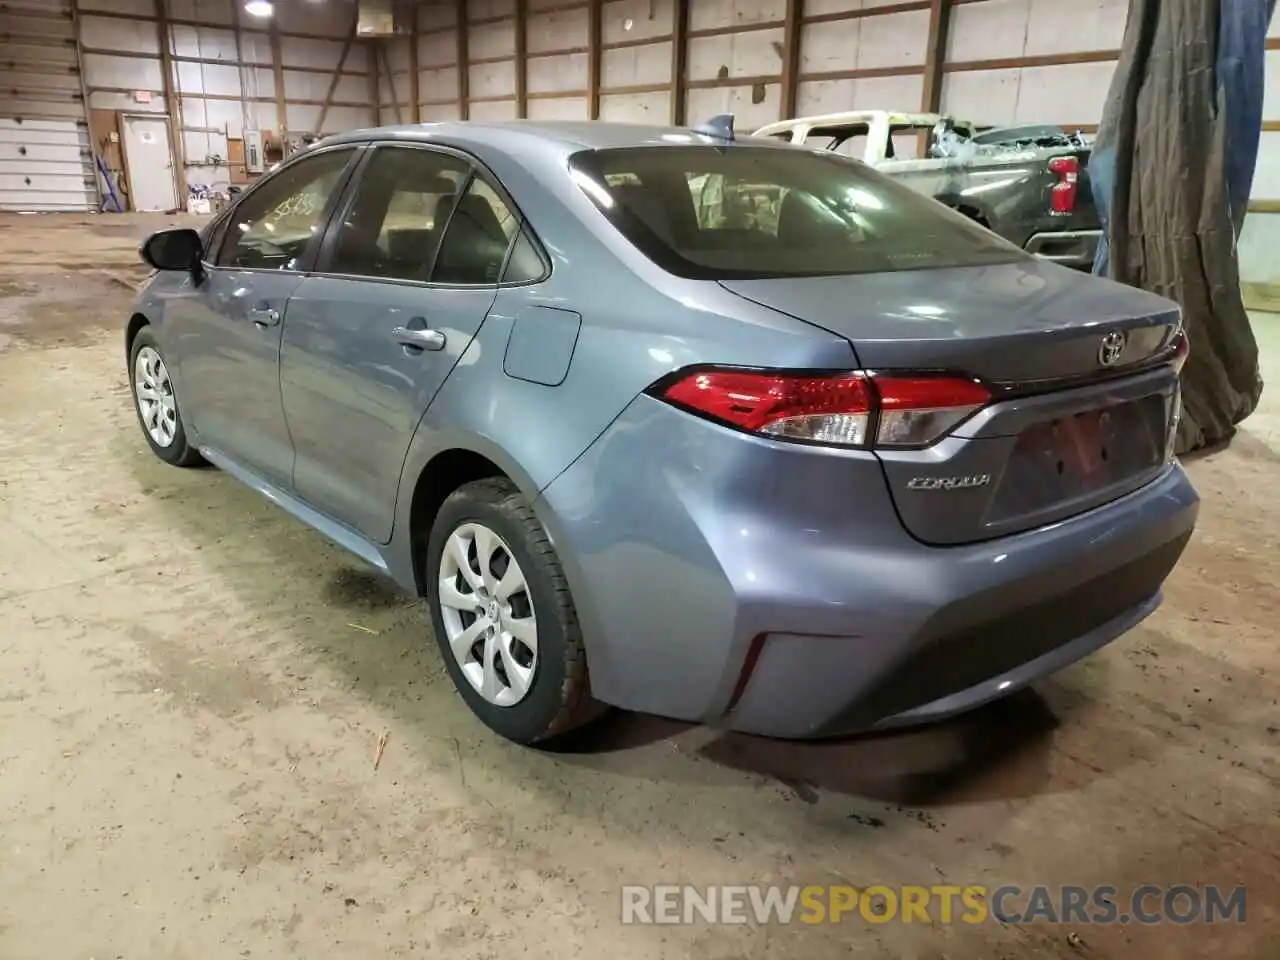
{"x":1029,"y":184}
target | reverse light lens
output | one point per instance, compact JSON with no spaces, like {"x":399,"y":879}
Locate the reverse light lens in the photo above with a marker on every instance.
{"x":837,"y":410}
{"x":916,"y":411}
{"x":830,"y":409}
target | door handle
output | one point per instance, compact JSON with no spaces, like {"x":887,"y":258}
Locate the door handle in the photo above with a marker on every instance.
{"x":423,"y":339}
{"x":264,"y":316}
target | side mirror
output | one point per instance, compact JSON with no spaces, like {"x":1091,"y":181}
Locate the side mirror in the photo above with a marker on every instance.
{"x":177,"y":249}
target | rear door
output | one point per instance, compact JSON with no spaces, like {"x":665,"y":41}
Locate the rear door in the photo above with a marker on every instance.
{"x":226,"y":328}
{"x":409,"y":271}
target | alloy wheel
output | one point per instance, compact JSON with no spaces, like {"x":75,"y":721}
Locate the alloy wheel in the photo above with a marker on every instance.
{"x":487,"y":610}
{"x":154,"y":392}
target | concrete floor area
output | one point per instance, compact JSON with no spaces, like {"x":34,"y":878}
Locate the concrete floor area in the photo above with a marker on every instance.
{"x":192,"y":686}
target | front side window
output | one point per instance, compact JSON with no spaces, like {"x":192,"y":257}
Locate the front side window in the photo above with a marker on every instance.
{"x":393,"y":226}
{"x":273,"y":226}
{"x":753,"y":211}
{"x":477,"y":237}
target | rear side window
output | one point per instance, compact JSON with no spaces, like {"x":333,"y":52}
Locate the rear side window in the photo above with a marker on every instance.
{"x":755,"y":211}
{"x":525,"y":263}
{"x":476,"y":240}
{"x":393,"y":225}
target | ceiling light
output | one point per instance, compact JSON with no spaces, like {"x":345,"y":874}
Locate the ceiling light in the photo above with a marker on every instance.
{"x":259,"y":8}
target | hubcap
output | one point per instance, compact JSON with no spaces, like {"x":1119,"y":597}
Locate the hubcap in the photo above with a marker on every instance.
{"x":154,"y":392}
{"x":488,"y":614}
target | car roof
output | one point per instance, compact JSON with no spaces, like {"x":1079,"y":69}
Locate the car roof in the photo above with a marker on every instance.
{"x":564,"y":136}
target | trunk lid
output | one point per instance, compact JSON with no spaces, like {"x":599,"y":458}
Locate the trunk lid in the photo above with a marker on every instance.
{"x":1072,"y":424}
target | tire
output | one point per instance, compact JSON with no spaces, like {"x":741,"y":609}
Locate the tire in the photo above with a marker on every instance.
{"x":169,"y":443}
{"x":556,"y":695}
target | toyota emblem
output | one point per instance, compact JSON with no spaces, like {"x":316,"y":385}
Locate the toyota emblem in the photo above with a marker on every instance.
{"x":1112,"y":348}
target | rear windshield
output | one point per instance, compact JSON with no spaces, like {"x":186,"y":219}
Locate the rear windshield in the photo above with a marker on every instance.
{"x":722,"y":213}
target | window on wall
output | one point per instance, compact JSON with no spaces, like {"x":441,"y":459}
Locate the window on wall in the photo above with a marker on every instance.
{"x":477,"y":237}
{"x":275,"y":224}
{"x":392,"y":228}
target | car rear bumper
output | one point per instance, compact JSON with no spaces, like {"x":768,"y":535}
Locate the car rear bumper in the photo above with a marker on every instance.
{"x":770,"y":588}
{"x":1071,"y":248}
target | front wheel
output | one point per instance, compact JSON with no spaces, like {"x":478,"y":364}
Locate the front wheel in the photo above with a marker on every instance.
{"x":156,"y":403}
{"x":503,"y":615}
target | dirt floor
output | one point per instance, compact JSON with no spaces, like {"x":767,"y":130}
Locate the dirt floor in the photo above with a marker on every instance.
{"x":192,"y":686}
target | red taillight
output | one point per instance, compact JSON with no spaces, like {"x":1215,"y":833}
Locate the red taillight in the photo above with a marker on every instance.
{"x":831,"y":409}
{"x":840,"y":409}
{"x":1181,"y":350}
{"x":1062,"y":195}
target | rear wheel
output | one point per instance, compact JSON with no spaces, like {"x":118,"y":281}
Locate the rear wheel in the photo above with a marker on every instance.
{"x":503,"y":615}
{"x":156,"y":403}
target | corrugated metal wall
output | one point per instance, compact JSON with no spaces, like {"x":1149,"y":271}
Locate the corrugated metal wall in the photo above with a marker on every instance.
{"x":45,"y":162}
{"x":1003,"y":61}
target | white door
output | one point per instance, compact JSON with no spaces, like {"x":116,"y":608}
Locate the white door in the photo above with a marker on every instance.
{"x":146,"y":144}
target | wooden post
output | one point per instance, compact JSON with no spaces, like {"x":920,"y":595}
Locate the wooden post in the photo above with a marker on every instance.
{"x":277,"y":74}
{"x":98,"y":185}
{"x":522,"y":62}
{"x":791,"y":58}
{"x":415,"y":95}
{"x":679,"y":60}
{"x":172,"y":105}
{"x":464,"y":80}
{"x":935,"y":56}
{"x":594,"y":40}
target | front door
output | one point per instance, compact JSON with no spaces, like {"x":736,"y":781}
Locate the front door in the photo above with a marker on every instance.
{"x":409,"y":273}
{"x":227,"y":327}
{"x":150,"y":158}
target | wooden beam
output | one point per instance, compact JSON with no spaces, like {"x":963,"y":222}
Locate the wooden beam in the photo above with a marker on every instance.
{"x":277,"y":73}
{"x":791,"y":58}
{"x":172,"y":105}
{"x":1043,"y":60}
{"x":337,"y":75}
{"x":737,"y":28}
{"x":415,"y":108}
{"x":595,"y":18}
{"x":679,"y":60}
{"x":862,"y":12}
{"x":464,"y":63}
{"x":522,"y":63}
{"x":381,"y":50}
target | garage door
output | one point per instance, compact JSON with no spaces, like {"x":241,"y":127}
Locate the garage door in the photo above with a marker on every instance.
{"x":45,"y":159}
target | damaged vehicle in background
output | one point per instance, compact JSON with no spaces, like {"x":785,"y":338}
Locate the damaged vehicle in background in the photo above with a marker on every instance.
{"x":1030,"y":184}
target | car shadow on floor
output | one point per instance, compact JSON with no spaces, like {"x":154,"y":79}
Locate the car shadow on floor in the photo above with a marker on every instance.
{"x":997,"y":752}
{"x":964,"y":759}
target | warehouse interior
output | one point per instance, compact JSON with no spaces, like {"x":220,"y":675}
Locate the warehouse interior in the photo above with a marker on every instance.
{"x":223,"y":737}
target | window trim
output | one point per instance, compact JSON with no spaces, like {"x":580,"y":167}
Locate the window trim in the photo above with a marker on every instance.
{"x":477,"y":169}
{"x":308,"y":258}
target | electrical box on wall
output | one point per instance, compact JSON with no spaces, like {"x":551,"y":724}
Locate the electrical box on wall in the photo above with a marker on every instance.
{"x":253,"y":161}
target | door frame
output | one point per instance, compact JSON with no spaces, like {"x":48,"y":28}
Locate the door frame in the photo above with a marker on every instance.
{"x":124,"y":154}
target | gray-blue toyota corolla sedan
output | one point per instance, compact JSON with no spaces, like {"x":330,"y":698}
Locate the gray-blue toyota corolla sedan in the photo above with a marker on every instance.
{"x":720,"y":429}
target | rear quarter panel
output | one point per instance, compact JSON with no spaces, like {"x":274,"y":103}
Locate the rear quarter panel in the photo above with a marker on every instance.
{"x":639,"y":323}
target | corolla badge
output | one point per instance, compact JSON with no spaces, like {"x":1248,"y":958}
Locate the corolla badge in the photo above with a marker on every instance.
{"x":949,"y":483}
{"x":1112,"y":348}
